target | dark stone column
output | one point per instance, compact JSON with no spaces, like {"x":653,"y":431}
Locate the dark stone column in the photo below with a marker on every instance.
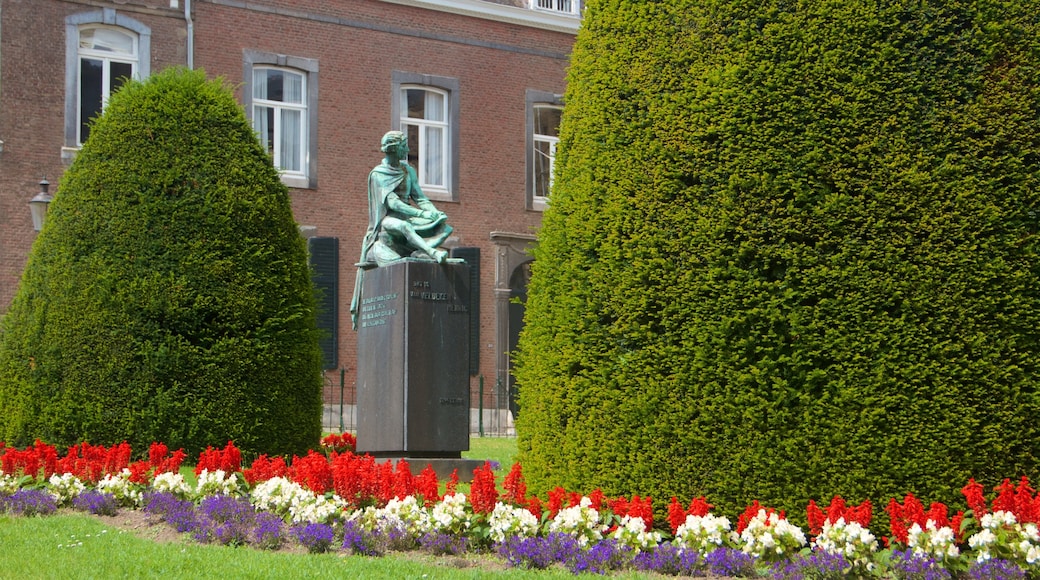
{"x":413,"y":364}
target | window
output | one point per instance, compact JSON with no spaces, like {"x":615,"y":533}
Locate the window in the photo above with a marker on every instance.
{"x":426,"y":109}
{"x":278,"y":116}
{"x":102,"y":50}
{"x":565,"y":6}
{"x":281,"y":101}
{"x":544,"y":111}
{"x":425,"y":121}
{"x":107,"y":59}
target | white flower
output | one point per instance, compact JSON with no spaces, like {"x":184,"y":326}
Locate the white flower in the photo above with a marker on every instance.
{"x":702,"y":533}
{"x":581,"y":520}
{"x":507,"y":521}
{"x":850,"y":539}
{"x":64,"y":487}
{"x":126,"y":493}
{"x":932,"y":541}
{"x":632,"y":532}
{"x":450,"y":515}
{"x":406,"y":514}
{"x":217,"y":483}
{"x":171,"y":483}
{"x":768,"y":535}
{"x":9,"y":484}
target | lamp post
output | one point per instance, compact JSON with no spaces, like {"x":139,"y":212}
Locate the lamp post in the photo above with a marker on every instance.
{"x":38,"y":205}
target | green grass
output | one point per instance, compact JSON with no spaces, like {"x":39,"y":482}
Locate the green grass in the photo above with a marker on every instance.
{"x":500,"y":449}
{"x":82,"y":546}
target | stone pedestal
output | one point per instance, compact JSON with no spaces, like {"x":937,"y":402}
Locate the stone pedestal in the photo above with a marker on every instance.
{"x":413,"y":365}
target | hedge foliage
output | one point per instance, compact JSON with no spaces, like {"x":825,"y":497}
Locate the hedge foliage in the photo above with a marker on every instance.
{"x":168,"y":296}
{"x":791,"y":253}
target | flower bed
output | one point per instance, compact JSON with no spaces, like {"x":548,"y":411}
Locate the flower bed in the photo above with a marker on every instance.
{"x":340,"y":501}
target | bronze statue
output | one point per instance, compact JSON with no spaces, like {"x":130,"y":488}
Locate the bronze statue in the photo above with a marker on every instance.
{"x":402,"y":221}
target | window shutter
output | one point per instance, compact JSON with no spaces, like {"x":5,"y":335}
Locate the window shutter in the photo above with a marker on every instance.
{"x":324,"y":260}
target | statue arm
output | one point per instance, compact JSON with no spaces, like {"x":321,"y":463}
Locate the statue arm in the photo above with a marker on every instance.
{"x":416,"y":193}
{"x":394,"y":204}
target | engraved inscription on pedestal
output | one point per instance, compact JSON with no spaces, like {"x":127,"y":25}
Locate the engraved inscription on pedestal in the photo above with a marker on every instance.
{"x":413,"y":366}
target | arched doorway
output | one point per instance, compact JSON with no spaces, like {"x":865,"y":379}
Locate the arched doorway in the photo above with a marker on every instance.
{"x":512,"y":271}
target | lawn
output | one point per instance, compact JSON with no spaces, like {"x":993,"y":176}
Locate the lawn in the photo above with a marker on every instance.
{"x":72,"y":545}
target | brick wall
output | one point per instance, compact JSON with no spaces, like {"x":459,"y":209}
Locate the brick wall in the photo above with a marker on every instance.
{"x":358,"y":44}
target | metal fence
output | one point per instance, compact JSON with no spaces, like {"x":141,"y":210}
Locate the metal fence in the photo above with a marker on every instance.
{"x":490,"y":417}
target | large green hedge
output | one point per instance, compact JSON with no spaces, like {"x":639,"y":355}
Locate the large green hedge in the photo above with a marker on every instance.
{"x":168,"y":297}
{"x":791,"y":252}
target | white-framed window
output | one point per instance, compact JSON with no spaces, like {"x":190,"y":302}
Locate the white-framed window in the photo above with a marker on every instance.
{"x":546,"y":136}
{"x":280,"y":116}
{"x":281,"y":100}
{"x":108,"y":57}
{"x":565,"y":6}
{"x":426,"y":108}
{"x":425,"y":121}
{"x":103,"y":49}
{"x":544,"y":112}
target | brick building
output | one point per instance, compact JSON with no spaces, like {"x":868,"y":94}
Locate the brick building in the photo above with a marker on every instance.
{"x":475,"y":83}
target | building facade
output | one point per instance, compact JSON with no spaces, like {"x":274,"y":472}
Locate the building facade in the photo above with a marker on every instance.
{"x":476,"y":84}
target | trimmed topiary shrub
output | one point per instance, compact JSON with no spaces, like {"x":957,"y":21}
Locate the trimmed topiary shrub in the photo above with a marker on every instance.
{"x":791,"y":252}
{"x":168,"y":297}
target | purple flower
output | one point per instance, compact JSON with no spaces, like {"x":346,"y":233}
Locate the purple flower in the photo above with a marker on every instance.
{"x":995,"y":569}
{"x":317,"y":538}
{"x":602,"y":557}
{"x":910,"y":566}
{"x":224,"y":508}
{"x":730,"y":562}
{"x":536,"y":553}
{"x":268,"y":531}
{"x":817,"y":565}
{"x":177,"y":512}
{"x":97,"y":503}
{"x":441,"y":544}
{"x":664,"y":559}
{"x":29,"y":502}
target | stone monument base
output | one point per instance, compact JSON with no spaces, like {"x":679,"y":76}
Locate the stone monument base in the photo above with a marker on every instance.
{"x":442,"y":466}
{"x":413,"y":362}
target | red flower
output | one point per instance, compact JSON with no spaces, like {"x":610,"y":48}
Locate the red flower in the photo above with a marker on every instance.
{"x":312,"y":471}
{"x":453,"y":483}
{"x":555,"y":504}
{"x":483,"y":493}
{"x":404,"y":482}
{"x":514,"y":488}
{"x":427,"y":486}
{"x":973,"y":493}
{"x":815,"y":517}
{"x":749,"y":513}
{"x":228,"y":460}
{"x":676,"y":514}
{"x":534,"y":505}
{"x":264,"y":468}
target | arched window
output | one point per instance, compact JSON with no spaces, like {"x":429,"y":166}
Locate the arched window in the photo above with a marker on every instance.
{"x":108,"y":57}
{"x":103,"y":49}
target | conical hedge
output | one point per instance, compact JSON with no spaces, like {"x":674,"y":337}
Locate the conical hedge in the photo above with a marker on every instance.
{"x":168,"y":297}
{"x":791,"y":252}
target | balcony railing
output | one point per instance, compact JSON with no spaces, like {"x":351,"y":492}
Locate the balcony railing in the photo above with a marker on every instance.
{"x":564,"y":6}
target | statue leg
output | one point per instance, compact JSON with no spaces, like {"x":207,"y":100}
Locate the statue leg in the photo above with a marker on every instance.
{"x":405,"y":230}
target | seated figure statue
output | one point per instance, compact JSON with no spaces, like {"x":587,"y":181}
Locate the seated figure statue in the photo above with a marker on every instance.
{"x":402,"y":221}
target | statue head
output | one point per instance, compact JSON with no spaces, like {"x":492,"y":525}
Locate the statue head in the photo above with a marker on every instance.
{"x":392,"y":140}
